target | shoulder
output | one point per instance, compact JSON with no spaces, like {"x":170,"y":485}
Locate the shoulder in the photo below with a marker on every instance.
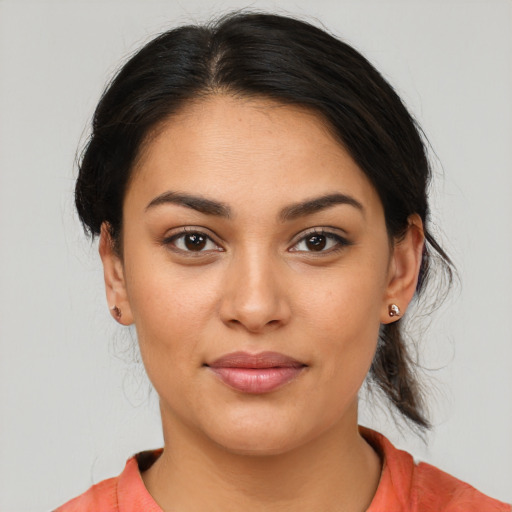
{"x":410,"y":487}
{"x":124,"y":493}
{"x":102,"y":496}
{"x":433,"y":489}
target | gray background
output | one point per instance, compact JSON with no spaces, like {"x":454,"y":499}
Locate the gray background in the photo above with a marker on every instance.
{"x":74,"y":402}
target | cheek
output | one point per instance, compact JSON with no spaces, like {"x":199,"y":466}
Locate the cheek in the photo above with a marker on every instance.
{"x":348,"y":299}
{"x":346,"y":332}
{"x":170,"y":307}
{"x":342,"y":314}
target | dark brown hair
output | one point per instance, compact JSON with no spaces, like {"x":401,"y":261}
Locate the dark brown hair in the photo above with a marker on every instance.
{"x":292,"y":62}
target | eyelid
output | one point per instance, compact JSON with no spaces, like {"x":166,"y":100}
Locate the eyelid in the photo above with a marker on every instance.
{"x":177,"y":233}
{"x":328,"y":232}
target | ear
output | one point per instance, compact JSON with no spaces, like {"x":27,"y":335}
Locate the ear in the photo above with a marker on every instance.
{"x":404,"y":269}
{"x":113,"y":272}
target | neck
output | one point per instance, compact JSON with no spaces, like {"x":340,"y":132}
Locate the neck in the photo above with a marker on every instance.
{"x":336,"y":471}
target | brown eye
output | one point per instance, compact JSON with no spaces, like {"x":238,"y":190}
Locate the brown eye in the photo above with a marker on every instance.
{"x":191,"y":241}
{"x":316,"y":242}
{"x":323,"y":242}
{"x":194,"y":242}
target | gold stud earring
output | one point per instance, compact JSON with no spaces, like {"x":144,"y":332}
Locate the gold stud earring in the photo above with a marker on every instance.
{"x":117,"y":312}
{"x":393,"y":310}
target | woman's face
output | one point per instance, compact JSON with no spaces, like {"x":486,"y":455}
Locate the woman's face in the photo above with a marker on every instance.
{"x":257,"y":270}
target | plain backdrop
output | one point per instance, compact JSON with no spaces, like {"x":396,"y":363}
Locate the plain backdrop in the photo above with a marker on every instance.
{"x":74,"y":402}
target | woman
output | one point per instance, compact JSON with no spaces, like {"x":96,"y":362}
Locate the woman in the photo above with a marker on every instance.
{"x":259,"y":192}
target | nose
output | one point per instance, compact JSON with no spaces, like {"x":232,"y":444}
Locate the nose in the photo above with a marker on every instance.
{"x":254,"y":294}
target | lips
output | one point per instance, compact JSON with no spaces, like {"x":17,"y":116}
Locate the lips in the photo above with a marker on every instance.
{"x":256,"y":373}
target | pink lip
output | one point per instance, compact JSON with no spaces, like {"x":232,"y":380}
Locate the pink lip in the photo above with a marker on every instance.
{"x":256,"y":373}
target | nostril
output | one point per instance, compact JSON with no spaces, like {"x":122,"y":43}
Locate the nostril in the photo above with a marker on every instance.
{"x":254,"y":326}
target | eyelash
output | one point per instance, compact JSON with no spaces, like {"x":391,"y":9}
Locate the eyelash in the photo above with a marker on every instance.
{"x":340,"y":242}
{"x":170,"y":241}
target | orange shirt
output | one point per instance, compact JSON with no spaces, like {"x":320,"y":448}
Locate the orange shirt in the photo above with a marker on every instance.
{"x":404,"y":487}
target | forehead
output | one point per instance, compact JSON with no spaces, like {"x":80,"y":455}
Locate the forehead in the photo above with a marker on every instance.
{"x":254,"y":148}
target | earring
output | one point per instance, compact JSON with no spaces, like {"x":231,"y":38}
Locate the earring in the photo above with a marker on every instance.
{"x":116,"y":311}
{"x":393,"y":310}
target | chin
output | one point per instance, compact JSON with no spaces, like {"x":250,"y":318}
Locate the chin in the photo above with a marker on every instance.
{"x":258,"y":438}
{"x":258,"y":446}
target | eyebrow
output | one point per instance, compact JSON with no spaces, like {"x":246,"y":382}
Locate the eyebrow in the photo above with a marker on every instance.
{"x":288,"y":213}
{"x":317,"y":204}
{"x":198,"y":203}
